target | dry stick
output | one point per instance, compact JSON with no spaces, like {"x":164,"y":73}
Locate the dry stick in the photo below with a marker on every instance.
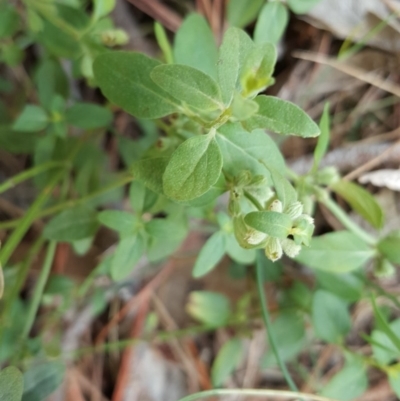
{"x":142,"y":296}
{"x":371,"y":163}
{"x":366,"y":76}
{"x":187,"y":361}
{"x":159,"y":12}
{"x":126,"y":363}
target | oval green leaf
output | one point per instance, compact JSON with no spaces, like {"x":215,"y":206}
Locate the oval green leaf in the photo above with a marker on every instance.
{"x":274,"y":224}
{"x":124,"y":78}
{"x":194,"y":168}
{"x":282,"y":117}
{"x":189,"y":85}
{"x":11,"y":384}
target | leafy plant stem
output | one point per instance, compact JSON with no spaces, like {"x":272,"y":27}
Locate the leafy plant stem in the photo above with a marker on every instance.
{"x":22,"y":273}
{"x":267,"y":322}
{"x":37,"y":296}
{"x":253,"y":200}
{"x":338,"y":212}
{"x":252,"y":393}
{"x":125,"y":179}
{"x":25,"y":175}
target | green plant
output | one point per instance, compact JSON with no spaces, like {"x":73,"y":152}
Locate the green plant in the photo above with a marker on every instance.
{"x":204,"y":152}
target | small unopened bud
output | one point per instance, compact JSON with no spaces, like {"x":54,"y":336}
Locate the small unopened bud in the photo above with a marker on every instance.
{"x":276,"y":206}
{"x":328,"y":176}
{"x":246,"y":236}
{"x":295,"y":210}
{"x":273,"y":249}
{"x":303,"y":229}
{"x":384,"y":269}
{"x":244,"y":178}
{"x":114,"y":37}
{"x":290,"y":247}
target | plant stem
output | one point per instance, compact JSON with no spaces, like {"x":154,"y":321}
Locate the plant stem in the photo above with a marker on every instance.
{"x":264,"y":394}
{"x":338,"y":212}
{"x":253,"y":200}
{"x":267,"y":322}
{"x":37,"y":296}
{"x":71,"y":203}
{"x":25,"y":175}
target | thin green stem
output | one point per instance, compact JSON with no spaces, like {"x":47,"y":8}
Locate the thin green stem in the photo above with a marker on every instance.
{"x":267,"y":322}
{"x":37,"y":296}
{"x":253,"y":200}
{"x":71,"y":203}
{"x":338,"y":212}
{"x":264,"y":394}
{"x":25,"y":175}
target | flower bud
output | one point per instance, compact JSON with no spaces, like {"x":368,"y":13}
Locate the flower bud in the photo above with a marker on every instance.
{"x":276,"y":206}
{"x":384,"y":269}
{"x":295,"y":210}
{"x":244,"y":178}
{"x":114,"y":37}
{"x":302,"y":230}
{"x":246,"y":236}
{"x":290,"y":247}
{"x":273,"y":249}
{"x":327,"y":176}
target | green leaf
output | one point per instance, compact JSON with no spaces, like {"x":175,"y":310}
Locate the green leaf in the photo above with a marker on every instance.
{"x":210,"y":255}
{"x":51,"y":80}
{"x":389,"y":246}
{"x":283,"y":188}
{"x":271,"y":23}
{"x":142,"y":199}
{"x":383,"y":325}
{"x":102,"y":8}
{"x":282,"y":117}
{"x":11,"y":384}
{"x":150,"y":171}
{"x":323,"y":139}
{"x":330,"y":317}
{"x":348,"y":384}
{"x":243,"y":108}
{"x":237,"y":253}
{"x":194,"y":168}
{"x":195,"y":45}
{"x":166,"y":235}
{"x":71,"y":225}
{"x":360,"y":201}
{"x":129,"y":251}
{"x":241,"y":12}
{"x":33,"y":118}
{"x":301,"y":6}
{"x":16,"y":142}
{"x":9,"y":21}
{"x":232,"y":55}
{"x":257,"y":70}
{"x":42,"y":380}
{"x":124,"y":78}
{"x":210,"y":308}
{"x":387,"y":352}
{"x":188,"y":85}
{"x":275,"y":224}
{"x":88,"y":116}
{"x":289,"y":334}
{"x":248,"y":151}
{"x":123,"y":222}
{"x":337,"y":252}
{"x":347,"y":286}
{"x":394,"y":380}
{"x":163,"y":42}
{"x":226,"y":361}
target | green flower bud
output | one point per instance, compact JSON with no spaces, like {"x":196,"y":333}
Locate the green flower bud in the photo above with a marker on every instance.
{"x":244,"y":178}
{"x":302,"y":230}
{"x":384,"y":269}
{"x":114,"y":37}
{"x":276,"y":206}
{"x":327,"y":176}
{"x":246,"y":236}
{"x":290,"y":247}
{"x":273,"y":249}
{"x":295,"y":210}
